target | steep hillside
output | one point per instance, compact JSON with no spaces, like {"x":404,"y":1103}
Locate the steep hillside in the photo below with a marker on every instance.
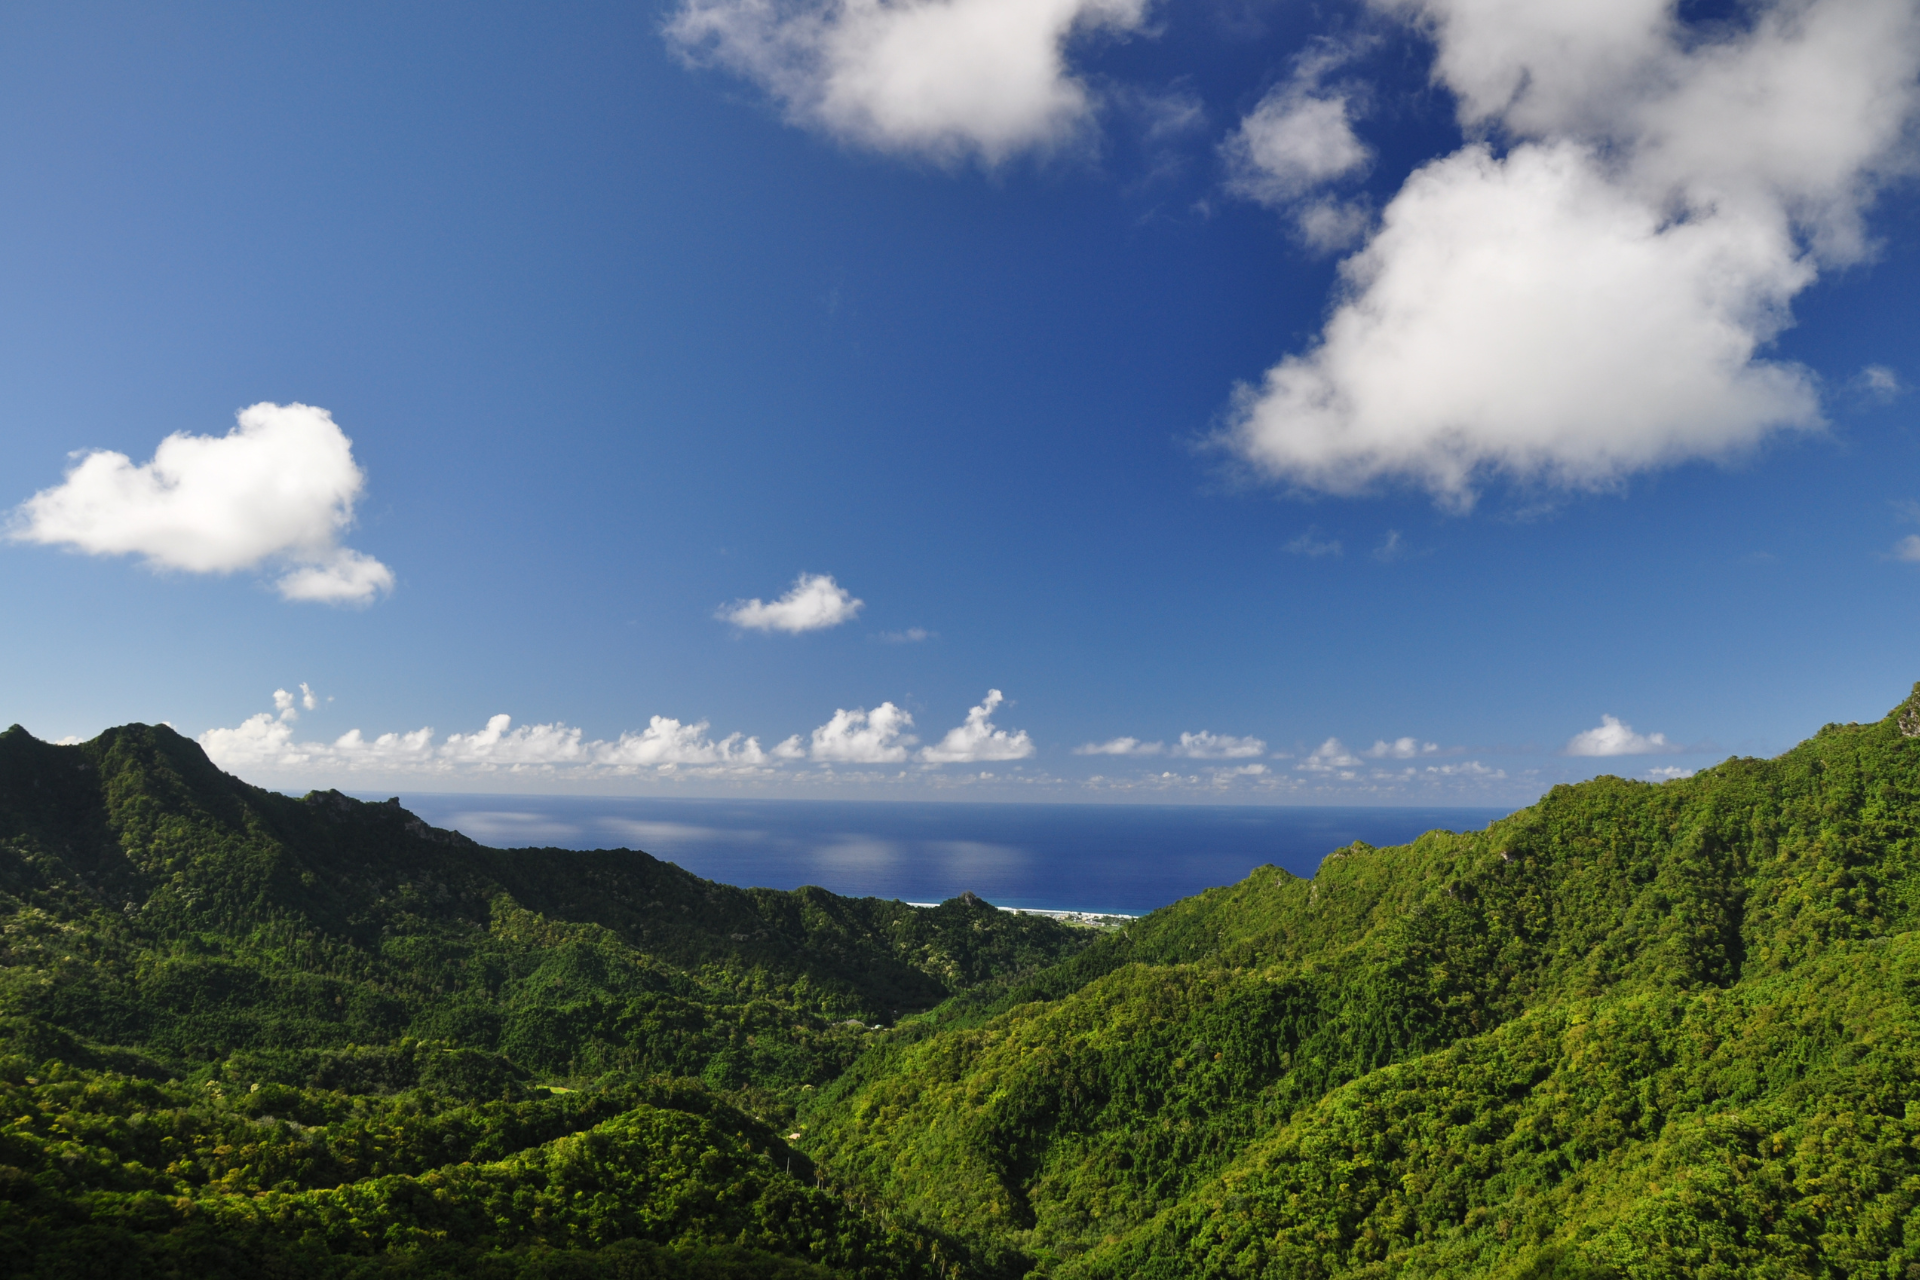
{"x":1633,"y":1029}
{"x":211,"y":993}
{"x":1630,"y":1031}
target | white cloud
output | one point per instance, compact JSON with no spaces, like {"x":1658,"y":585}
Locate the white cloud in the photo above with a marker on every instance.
{"x":1596,"y":301}
{"x":814,"y":602}
{"x":865,"y":737}
{"x":977,"y":741}
{"x":912,"y":635}
{"x":1877,"y":382}
{"x":1328,"y":757}
{"x":669,"y":742}
{"x":1328,"y":225}
{"x":1465,"y":769}
{"x":344,"y":577}
{"x":1290,"y":143}
{"x":1120,"y":747}
{"x":1298,"y":138}
{"x":1401,"y":749}
{"x":1668,"y":773}
{"x":941,"y":78}
{"x":280,"y":488}
{"x":266,"y":741}
{"x":1908,"y":549}
{"x":1612,"y":738}
{"x":1313,"y":544}
{"x":1217,"y":746}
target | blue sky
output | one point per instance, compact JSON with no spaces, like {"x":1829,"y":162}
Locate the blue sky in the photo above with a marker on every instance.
{"x":1429,"y":379}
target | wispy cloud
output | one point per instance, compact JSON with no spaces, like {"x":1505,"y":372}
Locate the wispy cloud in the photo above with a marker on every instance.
{"x":1392,"y":547}
{"x":279,"y":489}
{"x":1120,"y":747}
{"x":1878,"y":382}
{"x":1401,"y":749}
{"x":912,"y":635}
{"x":1330,"y":756}
{"x":1313,"y":544}
{"x":1217,"y":746}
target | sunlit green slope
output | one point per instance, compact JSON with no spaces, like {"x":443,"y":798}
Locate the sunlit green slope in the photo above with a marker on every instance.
{"x":1634,"y":1029}
{"x":243,"y":1033}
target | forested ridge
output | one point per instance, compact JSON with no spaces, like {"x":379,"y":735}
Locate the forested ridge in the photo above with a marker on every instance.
{"x":1633,"y":1030}
{"x":247,"y":1034}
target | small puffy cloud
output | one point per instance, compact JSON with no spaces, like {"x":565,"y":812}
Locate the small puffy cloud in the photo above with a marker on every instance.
{"x":1668,"y":773}
{"x":666,"y":741}
{"x":946,"y":79}
{"x":1612,"y":738}
{"x":864,"y":737}
{"x":1120,"y":747}
{"x":1328,"y":225}
{"x":1313,"y":544}
{"x":1908,"y":549}
{"x":1329,"y":756}
{"x":977,"y":740}
{"x":1297,"y":139}
{"x":1401,"y":749}
{"x":344,"y":577}
{"x":814,"y":602}
{"x":1217,"y":746}
{"x":278,"y":489}
{"x":1879,"y":382}
{"x":1598,"y":298}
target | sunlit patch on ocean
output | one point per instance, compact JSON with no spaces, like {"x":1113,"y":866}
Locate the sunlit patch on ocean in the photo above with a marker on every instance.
{"x":511,"y":829}
{"x":1080,"y":857}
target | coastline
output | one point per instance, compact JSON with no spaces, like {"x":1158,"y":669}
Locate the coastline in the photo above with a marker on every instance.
{"x":1091,"y":919}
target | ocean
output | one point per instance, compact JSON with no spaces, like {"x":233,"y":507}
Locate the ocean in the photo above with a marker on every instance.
{"x":1125,"y":859}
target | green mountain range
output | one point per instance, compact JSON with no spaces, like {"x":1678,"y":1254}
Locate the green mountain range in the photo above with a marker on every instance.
{"x":1634,"y":1030}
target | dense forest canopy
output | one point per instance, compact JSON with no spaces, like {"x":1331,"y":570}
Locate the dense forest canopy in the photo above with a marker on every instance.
{"x":1634,"y":1030}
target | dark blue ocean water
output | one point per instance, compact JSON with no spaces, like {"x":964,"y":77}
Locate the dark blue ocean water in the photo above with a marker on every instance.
{"x":1075,"y":857}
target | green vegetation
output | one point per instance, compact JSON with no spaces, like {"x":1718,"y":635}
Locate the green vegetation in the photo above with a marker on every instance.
{"x":1631,"y":1031}
{"x":241,"y":1032}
